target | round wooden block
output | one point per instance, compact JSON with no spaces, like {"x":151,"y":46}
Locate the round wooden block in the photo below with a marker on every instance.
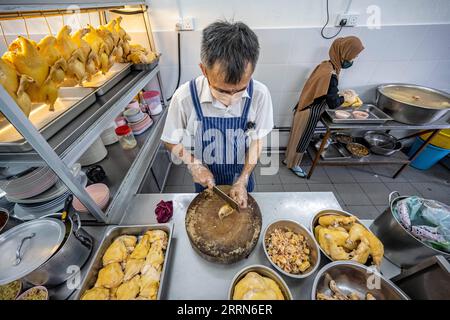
{"x":224,"y":241}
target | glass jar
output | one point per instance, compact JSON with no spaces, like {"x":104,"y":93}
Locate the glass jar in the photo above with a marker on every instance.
{"x":126,"y":137}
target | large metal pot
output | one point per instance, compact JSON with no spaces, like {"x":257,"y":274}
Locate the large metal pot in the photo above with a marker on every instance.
{"x":6,"y":221}
{"x":400,"y":247}
{"x":416,"y":112}
{"x":68,"y":259}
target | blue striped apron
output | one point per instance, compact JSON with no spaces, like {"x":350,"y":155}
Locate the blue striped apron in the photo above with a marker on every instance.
{"x":221,"y":143}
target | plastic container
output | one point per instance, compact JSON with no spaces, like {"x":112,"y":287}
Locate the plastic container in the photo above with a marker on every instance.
{"x":133,"y":115}
{"x":441,"y":140}
{"x":153,"y":100}
{"x":126,"y":137}
{"x":428,"y":157}
{"x":133,"y":105}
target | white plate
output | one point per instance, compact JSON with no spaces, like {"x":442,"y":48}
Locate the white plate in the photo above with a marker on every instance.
{"x":58,"y":189}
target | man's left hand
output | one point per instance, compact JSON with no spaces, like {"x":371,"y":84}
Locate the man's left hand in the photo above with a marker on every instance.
{"x":239,"y":194}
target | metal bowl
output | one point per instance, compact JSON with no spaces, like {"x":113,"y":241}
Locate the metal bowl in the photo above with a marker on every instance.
{"x":326,"y":212}
{"x":382,"y":143}
{"x":299,"y":229}
{"x":354,"y":277}
{"x":418,"y":112}
{"x":263,"y":271}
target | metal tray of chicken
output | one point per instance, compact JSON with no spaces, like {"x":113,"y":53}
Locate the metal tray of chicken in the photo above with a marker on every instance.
{"x":102,"y":83}
{"x":146,"y":66}
{"x":71,"y":102}
{"x":111,"y":233}
{"x":376,"y":116}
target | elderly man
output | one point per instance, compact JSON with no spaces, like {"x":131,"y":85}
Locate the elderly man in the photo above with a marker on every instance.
{"x":225,"y":111}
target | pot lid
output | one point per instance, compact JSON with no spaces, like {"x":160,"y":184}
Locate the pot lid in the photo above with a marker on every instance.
{"x":36,"y":240}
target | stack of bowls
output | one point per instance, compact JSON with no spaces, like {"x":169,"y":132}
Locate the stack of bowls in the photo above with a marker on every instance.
{"x":138,"y":121}
{"x":108,"y":136}
{"x":95,"y":153}
{"x":99,"y":192}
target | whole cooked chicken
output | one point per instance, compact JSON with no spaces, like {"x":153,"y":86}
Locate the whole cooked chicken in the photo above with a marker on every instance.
{"x":73,"y":54}
{"x":116,"y":252}
{"x":89,"y":56}
{"x":110,"y":276}
{"x":48,"y":49}
{"x":99,"y":47}
{"x":129,"y":289}
{"x":96,"y":294}
{"x":256,"y":287}
{"x":23,"y":53}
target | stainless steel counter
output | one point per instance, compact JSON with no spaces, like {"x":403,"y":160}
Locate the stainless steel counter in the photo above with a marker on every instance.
{"x":191,"y":277}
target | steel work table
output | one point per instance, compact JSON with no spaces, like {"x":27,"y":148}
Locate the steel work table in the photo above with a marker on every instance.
{"x":397,"y":158}
{"x":191,"y":277}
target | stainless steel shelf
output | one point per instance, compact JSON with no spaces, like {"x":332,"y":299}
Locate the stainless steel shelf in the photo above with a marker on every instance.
{"x":396,"y":158}
{"x":120,"y":165}
{"x":73,"y":140}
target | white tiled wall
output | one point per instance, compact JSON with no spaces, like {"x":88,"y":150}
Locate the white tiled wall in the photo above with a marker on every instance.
{"x":417,"y":54}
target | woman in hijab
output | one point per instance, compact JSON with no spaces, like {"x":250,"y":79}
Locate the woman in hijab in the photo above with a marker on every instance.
{"x":320,"y":91}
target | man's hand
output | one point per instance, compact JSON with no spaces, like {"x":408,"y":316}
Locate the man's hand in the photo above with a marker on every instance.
{"x":239,"y":194}
{"x":202,"y":175}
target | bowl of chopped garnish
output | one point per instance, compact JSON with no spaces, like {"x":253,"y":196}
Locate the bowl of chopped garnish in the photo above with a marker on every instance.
{"x":291,"y":248}
{"x":34,"y":293}
{"x":11,"y":290}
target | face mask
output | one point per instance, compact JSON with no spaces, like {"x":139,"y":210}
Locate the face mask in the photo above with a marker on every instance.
{"x":225,"y":98}
{"x":346,"y":64}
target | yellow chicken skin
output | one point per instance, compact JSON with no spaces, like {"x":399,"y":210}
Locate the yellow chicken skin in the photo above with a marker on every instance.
{"x":256,"y":287}
{"x":24,"y":55}
{"x":154,"y":259}
{"x":335,"y":251}
{"x":110,"y":276}
{"x":132,"y":268}
{"x":334,"y":220}
{"x":47,"y":48}
{"x":149,"y":284}
{"x":359,"y":232}
{"x":129,"y":242}
{"x":96,"y":294}
{"x":362,"y":252}
{"x":336,"y":236}
{"x":158,"y":235}
{"x":129,"y":289}
{"x":89,"y":56}
{"x":116,"y":252}
{"x":65,"y":43}
{"x":142,"y":248}
{"x":99,"y":47}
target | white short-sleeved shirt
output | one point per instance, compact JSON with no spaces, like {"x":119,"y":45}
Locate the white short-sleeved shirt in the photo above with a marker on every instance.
{"x":182,"y":118}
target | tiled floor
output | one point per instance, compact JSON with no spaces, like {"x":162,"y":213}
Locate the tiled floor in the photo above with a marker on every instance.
{"x":362,"y":191}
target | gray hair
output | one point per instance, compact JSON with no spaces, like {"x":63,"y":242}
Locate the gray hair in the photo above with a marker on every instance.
{"x":233,"y":45}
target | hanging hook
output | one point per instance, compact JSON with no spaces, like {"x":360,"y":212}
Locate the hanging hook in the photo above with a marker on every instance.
{"x":46,"y":22}
{"x":26,"y":25}
{"x":4,"y":36}
{"x":89,"y":17}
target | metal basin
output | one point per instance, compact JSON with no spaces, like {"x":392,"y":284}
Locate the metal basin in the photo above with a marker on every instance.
{"x":263,"y":271}
{"x":382,"y":143}
{"x":355,"y":277}
{"x":298,"y":229}
{"x":416,"y":112}
{"x":326,"y":212}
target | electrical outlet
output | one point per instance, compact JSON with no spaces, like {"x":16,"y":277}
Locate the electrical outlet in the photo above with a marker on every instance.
{"x":185,"y":24}
{"x":350,"y":18}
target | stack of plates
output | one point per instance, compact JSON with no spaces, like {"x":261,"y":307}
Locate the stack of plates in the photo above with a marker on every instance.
{"x":99,"y":192}
{"x":109,"y":135}
{"x":29,"y":184}
{"x":51,"y":201}
{"x":141,"y":126}
{"x":96,"y":152}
